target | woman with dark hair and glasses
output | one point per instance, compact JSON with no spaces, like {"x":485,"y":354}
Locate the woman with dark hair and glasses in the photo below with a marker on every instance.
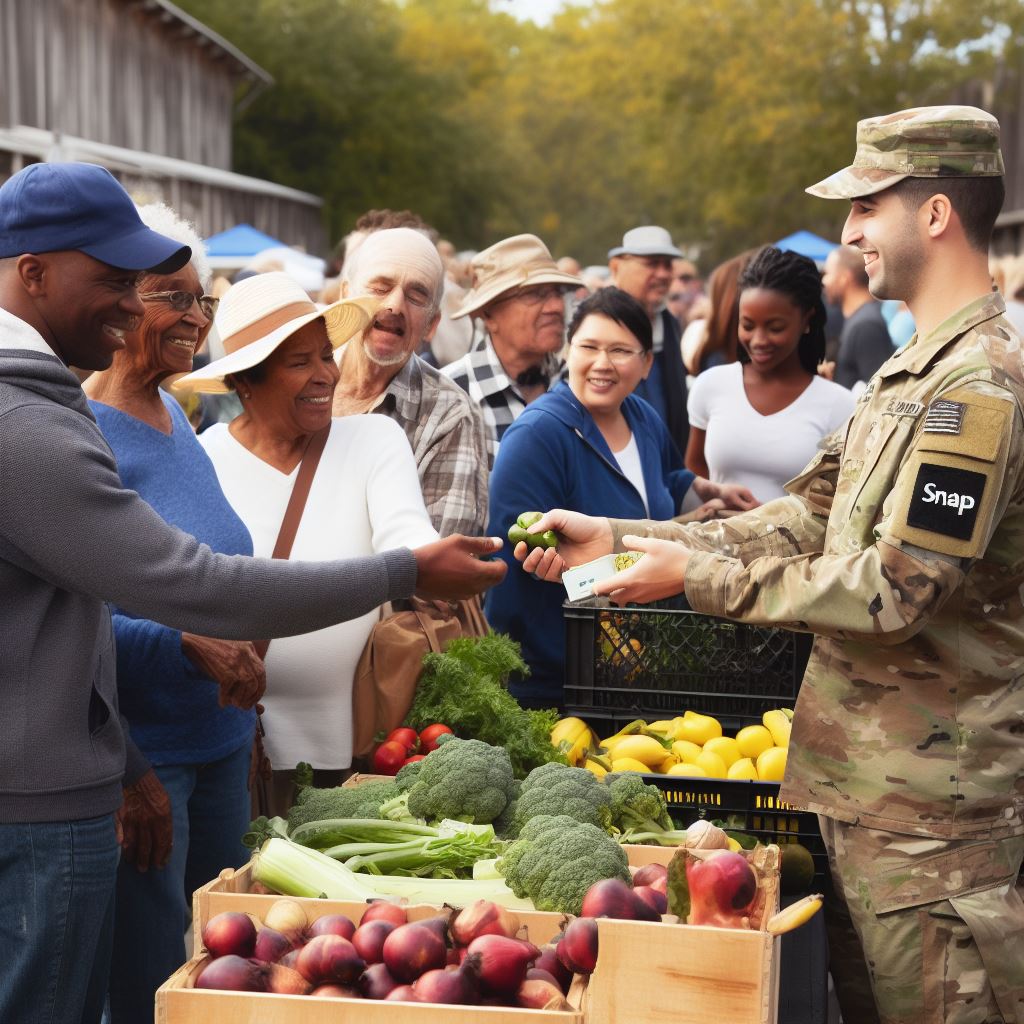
{"x":175,"y":690}
{"x":593,"y":446}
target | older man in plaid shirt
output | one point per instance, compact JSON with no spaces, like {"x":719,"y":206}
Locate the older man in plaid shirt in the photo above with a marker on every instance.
{"x":381,"y":373}
{"x":518,"y":296}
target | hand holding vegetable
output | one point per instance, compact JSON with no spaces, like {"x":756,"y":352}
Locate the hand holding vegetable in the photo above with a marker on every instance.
{"x":580,"y":539}
{"x":452,"y":568}
{"x":661,"y":574}
{"x":233,"y":665}
{"x":144,"y":824}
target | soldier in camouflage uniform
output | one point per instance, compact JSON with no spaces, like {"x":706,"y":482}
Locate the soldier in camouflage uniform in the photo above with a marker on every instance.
{"x":901,"y":546}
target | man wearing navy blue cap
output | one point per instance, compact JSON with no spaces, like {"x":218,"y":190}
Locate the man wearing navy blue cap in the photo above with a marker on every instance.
{"x":71,"y":538}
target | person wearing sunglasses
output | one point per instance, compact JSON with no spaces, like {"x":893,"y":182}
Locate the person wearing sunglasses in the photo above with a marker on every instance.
{"x":187,"y":699}
{"x":590,"y":444}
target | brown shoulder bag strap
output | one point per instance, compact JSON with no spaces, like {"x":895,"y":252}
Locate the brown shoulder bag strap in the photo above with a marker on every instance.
{"x":296,"y":506}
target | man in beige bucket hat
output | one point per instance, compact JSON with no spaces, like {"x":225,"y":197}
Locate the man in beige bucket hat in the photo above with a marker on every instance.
{"x":518,"y":296}
{"x":899,"y":547}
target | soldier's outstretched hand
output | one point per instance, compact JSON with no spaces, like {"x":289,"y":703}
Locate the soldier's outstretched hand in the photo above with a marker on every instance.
{"x":660,"y":573}
{"x":580,"y":539}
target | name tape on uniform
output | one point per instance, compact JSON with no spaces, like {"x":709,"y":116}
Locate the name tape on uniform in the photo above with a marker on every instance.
{"x":944,"y":417}
{"x":946,"y":500}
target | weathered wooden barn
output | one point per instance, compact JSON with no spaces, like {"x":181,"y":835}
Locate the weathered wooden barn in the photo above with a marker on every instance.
{"x":149,"y":92}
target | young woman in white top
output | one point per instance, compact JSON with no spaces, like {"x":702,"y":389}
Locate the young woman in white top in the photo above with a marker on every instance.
{"x":758,"y":421}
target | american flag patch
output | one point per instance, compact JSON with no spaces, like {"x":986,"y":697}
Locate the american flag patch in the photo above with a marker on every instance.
{"x":944,"y":417}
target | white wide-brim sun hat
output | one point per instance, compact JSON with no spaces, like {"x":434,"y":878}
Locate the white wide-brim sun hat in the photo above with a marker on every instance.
{"x":258,"y":314}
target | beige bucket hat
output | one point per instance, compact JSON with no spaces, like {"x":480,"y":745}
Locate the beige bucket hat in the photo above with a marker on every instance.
{"x":517,"y":262}
{"x":922,"y":142}
{"x":258,"y":314}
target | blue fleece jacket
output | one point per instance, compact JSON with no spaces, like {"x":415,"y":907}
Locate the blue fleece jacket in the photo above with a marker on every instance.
{"x":171,"y":707}
{"x":554,"y":456}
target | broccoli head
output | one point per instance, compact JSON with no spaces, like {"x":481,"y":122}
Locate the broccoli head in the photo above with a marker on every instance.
{"x":637,"y":805}
{"x":463,"y":779}
{"x":407,"y":775}
{"x":556,"y":859}
{"x":363,"y":801}
{"x":558,"y":789}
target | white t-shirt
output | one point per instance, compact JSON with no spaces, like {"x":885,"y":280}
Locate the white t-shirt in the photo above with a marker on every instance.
{"x":365,"y":499}
{"x":629,"y":462}
{"x":762,"y":452}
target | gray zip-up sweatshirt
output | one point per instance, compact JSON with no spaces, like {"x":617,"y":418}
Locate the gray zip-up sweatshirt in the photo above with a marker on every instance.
{"x":72,"y":538}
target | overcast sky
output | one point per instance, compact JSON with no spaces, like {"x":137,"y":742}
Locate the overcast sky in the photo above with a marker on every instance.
{"x":539,"y":11}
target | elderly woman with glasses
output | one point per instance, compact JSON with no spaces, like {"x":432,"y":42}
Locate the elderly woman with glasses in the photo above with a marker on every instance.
{"x":589,"y":445}
{"x":187,"y":699}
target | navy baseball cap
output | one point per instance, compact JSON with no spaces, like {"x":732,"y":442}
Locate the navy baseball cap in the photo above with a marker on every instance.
{"x":60,"y":206}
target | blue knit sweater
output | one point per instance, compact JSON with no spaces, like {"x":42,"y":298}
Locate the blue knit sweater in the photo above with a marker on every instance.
{"x":172,"y":708}
{"x":554,"y":456}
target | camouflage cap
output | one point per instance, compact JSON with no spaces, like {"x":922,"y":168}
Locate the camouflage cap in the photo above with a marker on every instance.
{"x":923,"y":142}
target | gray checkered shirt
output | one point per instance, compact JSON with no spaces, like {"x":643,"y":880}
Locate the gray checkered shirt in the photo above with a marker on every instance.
{"x":448,"y":441}
{"x":480,"y":374}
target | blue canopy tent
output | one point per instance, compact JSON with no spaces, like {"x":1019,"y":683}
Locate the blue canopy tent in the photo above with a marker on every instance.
{"x":807,"y":244}
{"x":236,"y":246}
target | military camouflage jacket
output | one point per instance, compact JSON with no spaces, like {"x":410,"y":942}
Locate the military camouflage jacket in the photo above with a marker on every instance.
{"x":901,"y":546}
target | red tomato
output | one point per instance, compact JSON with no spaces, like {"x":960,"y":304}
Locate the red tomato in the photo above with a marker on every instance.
{"x":415,"y":757}
{"x":406,"y":736}
{"x":428,"y":738}
{"x":388,"y":758}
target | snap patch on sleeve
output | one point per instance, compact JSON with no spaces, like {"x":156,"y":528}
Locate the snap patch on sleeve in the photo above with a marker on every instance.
{"x":946,"y":500}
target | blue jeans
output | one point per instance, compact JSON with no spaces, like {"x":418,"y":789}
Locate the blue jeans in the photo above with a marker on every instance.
{"x":210,"y":804}
{"x":56,"y":920}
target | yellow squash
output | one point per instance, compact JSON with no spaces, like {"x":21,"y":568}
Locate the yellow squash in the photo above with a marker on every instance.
{"x":573,"y":737}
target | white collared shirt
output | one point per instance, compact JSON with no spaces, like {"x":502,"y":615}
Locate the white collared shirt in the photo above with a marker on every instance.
{"x":15,"y":333}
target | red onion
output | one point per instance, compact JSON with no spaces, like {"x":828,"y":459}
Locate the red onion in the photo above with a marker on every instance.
{"x":578,"y":948}
{"x":402,"y":994}
{"x":230,"y":933}
{"x":611,"y":897}
{"x":538,"y":974}
{"x":548,"y":961}
{"x":657,"y":901}
{"x":377,"y":982}
{"x":290,"y":959}
{"x":329,"y":958}
{"x":369,"y":939}
{"x":648,"y":873}
{"x":501,"y":963}
{"x":439,"y":925}
{"x":413,"y":949}
{"x":332,"y":924}
{"x":384,"y":910}
{"x":482,"y":918}
{"x":271,"y":945}
{"x":234,"y":974}
{"x":457,"y":987}
{"x":541,"y":995}
{"x":722,"y":888}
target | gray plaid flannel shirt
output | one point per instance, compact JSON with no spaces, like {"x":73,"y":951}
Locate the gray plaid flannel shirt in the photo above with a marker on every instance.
{"x":448,"y":441}
{"x":480,"y":374}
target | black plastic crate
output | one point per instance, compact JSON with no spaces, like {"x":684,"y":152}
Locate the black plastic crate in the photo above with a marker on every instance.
{"x":751,"y":807}
{"x":659,"y":660}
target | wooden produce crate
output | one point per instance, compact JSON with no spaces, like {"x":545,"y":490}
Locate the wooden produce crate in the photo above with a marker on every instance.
{"x":178,"y":1002}
{"x":688,"y":974}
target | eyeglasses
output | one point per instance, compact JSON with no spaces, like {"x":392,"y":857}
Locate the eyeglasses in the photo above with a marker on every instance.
{"x":534,"y":295}
{"x":182,"y":301}
{"x":650,"y":262}
{"x":617,"y":356}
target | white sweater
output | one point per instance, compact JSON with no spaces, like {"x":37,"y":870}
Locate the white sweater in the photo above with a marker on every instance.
{"x":365,"y":498}
{"x":762,"y":452}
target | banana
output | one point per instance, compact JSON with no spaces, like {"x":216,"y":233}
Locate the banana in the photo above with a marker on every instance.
{"x":645,"y":749}
{"x":794,"y":915}
{"x":778,"y":724}
{"x":573,"y":737}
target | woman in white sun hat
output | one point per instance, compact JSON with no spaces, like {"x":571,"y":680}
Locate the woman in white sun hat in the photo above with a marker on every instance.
{"x":365,"y":497}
